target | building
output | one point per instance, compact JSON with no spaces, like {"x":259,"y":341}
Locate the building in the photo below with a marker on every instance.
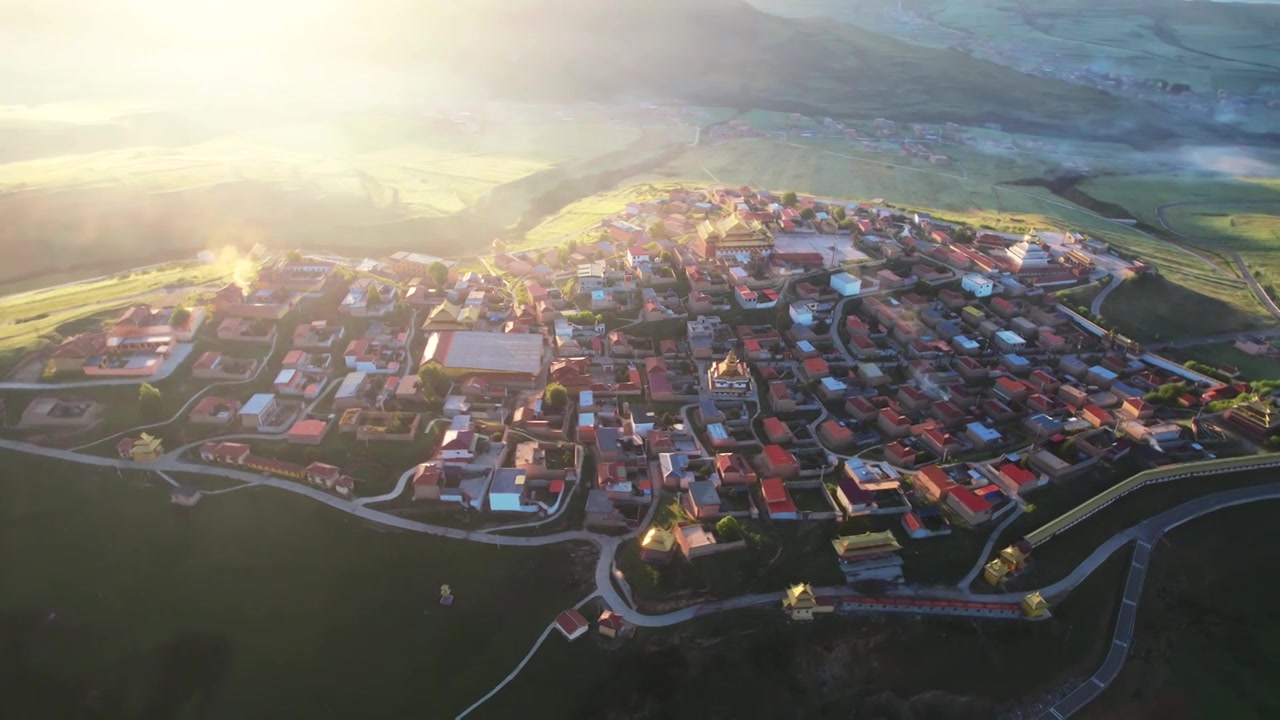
{"x":257,"y":409}
{"x":571,"y":624}
{"x":611,"y":624}
{"x":500,"y":356}
{"x":869,"y":555}
{"x":975,"y":509}
{"x":1257,"y":419}
{"x":142,"y":448}
{"x":1026,"y":257}
{"x":1016,"y":480}
{"x":732,"y":237}
{"x":185,"y":495}
{"x":846,"y":284}
{"x":777,"y":500}
{"x":508,"y":492}
{"x":214,"y":411}
{"x":657,"y":546}
{"x":801,"y":604}
{"x":778,"y":462}
{"x":702,"y":501}
{"x":730,"y":377}
{"x":979,"y":285}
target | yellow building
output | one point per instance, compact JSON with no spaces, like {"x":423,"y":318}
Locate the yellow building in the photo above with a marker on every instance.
{"x":801,"y":604}
{"x":730,"y":376}
{"x":852,"y":547}
{"x":657,"y":545}
{"x":995,"y":571}
{"x":452,"y":316}
{"x":142,"y":448}
{"x":731,"y":236}
{"x":1034,"y":605}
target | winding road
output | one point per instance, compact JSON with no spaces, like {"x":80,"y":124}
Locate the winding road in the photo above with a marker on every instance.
{"x":1263,"y":298}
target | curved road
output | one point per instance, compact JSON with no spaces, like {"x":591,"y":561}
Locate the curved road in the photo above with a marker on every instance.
{"x":1096,"y":306}
{"x":1264,"y":299}
{"x":1146,"y":534}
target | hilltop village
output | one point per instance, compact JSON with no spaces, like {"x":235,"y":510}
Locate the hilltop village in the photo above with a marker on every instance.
{"x":704,"y":369}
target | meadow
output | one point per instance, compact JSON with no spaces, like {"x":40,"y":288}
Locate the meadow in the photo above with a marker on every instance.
{"x":253,"y":604}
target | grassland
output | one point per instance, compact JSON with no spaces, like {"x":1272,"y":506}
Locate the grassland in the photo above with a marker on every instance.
{"x":268,"y":604}
{"x":31,"y":319}
{"x":1251,"y":366}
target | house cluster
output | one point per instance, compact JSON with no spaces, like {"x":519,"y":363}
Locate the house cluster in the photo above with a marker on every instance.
{"x":240,"y":456}
{"x":135,"y":345}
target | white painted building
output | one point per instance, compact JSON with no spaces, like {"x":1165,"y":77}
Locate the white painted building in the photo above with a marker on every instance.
{"x":979,"y":285}
{"x":802,"y":312}
{"x":846,"y":284}
{"x":507,"y":494}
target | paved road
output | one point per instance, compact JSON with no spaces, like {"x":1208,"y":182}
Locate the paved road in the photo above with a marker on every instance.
{"x":1146,"y":534}
{"x":973,"y":573}
{"x":1264,"y":299}
{"x":1096,"y":306}
{"x":186,"y":407}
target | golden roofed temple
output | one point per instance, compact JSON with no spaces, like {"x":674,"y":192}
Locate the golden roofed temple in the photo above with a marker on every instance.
{"x":801,"y":604}
{"x":731,"y":236}
{"x":730,"y":376}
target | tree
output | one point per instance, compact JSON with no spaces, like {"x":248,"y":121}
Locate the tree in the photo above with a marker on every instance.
{"x":180,"y":316}
{"x":807,"y":214}
{"x":666,"y":257}
{"x":293,"y":256}
{"x":438,"y":273}
{"x":149,"y":399}
{"x":789,"y":199}
{"x":657,"y":230}
{"x":432,"y":380}
{"x":582,"y":318}
{"x":728,"y":529}
{"x":839,"y":213}
{"x":555,"y":397}
{"x":374,"y":297}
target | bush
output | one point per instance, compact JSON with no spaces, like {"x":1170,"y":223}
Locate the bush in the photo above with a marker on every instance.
{"x":555,"y":398}
{"x":728,"y":529}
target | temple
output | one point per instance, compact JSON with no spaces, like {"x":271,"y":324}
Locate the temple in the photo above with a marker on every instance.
{"x":730,"y":377}
{"x":732,"y":236}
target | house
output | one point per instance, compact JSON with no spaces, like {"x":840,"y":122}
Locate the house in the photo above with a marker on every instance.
{"x":601,"y":513}
{"x":657,"y":546}
{"x":571,"y":624}
{"x":777,"y":431}
{"x":611,"y":624}
{"x":940,"y":443}
{"x":1017,"y":480}
{"x":256,"y":410}
{"x":1096,"y":416}
{"x":675,"y":470}
{"x":508,"y":492}
{"x":457,"y":446}
{"x":426,"y":481}
{"x":835,"y":435}
{"x":308,"y":431}
{"x":979,"y":285}
{"x":802,"y":312}
{"x":228,"y":453}
{"x":734,"y":469}
{"x":854,"y":499}
{"x":781,"y":397}
{"x":893,"y":423}
{"x":777,"y":500}
{"x":846,"y":284}
{"x":185,"y":496}
{"x":213,"y":410}
{"x":702,"y":502}
{"x":778,"y":462}
{"x":216,"y":366}
{"x":974,"y":508}
{"x":1134,"y":408}
{"x":981,"y":435}
{"x":933,"y":483}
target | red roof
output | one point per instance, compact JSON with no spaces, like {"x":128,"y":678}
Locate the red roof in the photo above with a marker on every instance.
{"x":776,"y":496}
{"x":912,"y":522}
{"x":774,"y":427}
{"x":323,"y":470}
{"x":973,"y":503}
{"x":207,"y":361}
{"x":427,"y":474}
{"x":610,"y":619}
{"x":779,"y":391}
{"x":556,"y":486}
{"x":835,"y":430}
{"x":814,"y":366}
{"x":937,"y":479}
{"x":571,"y":621}
{"x":308,"y":429}
{"x":1017,"y":475}
{"x":777,"y":455}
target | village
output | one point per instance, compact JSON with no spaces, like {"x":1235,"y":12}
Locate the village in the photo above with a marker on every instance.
{"x":705,"y":364}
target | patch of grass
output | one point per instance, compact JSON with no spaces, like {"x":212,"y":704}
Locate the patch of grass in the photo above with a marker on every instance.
{"x":1252,"y":367}
{"x":1159,"y":309}
{"x":171,"y":593}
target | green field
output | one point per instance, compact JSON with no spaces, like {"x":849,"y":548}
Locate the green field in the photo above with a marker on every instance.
{"x":1251,"y":367}
{"x":267,"y":604}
